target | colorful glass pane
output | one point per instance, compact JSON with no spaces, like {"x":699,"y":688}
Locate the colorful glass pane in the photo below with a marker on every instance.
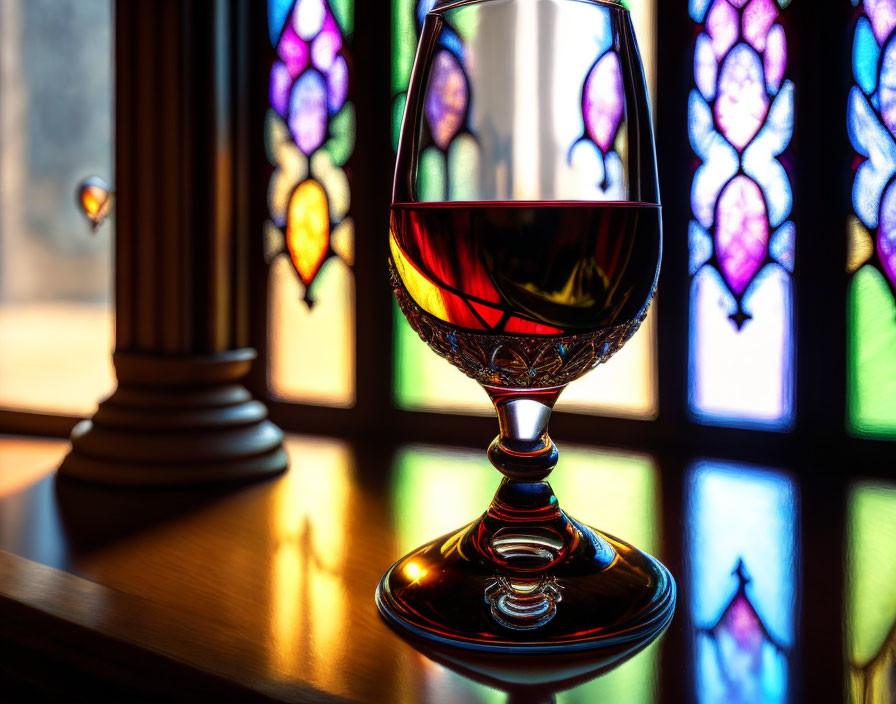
{"x":437,"y":490}
{"x":741,"y":243}
{"x":625,"y":386}
{"x":871,"y":124}
{"x":870,"y":598}
{"x":742,"y":569}
{"x":310,"y":136}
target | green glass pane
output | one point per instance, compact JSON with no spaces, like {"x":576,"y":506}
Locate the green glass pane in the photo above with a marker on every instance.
{"x":404,"y":44}
{"x":425,"y":381}
{"x":463,"y":168}
{"x":870,"y":597}
{"x":344,"y":11}
{"x":431,"y":176}
{"x":437,"y":490}
{"x":871,"y":356}
{"x":342,"y":142}
{"x":617,"y":493}
{"x":397,"y":116}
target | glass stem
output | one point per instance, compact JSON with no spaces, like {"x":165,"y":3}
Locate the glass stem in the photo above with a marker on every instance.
{"x":523,"y":450}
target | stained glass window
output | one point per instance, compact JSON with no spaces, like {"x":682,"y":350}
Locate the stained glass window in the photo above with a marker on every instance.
{"x":741,"y":239}
{"x":627,"y":385}
{"x":870,"y":598}
{"x":440,"y":489}
{"x":309,"y":240}
{"x":742,"y":567}
{"x":56,"y":76}
{"x":872,"y":229}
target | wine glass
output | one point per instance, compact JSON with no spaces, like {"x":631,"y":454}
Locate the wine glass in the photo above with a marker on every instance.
{"x":525,"y":247}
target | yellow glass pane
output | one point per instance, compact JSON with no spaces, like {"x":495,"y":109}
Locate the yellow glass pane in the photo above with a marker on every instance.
{"x":308,"y":229}
{"x":626,"y":386}
{"x":55,"y":274}
{"x":311,"y":350}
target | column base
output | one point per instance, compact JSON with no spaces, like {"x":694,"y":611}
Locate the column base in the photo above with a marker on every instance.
{"x":177,"y":421}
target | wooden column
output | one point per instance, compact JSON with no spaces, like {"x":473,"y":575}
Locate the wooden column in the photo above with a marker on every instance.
{"x":180,"y":414}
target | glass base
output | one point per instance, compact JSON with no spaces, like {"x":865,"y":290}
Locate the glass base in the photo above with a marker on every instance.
{"x":545,"y":587}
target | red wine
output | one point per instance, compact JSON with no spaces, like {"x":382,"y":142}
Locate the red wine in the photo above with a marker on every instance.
{"x":530,"y":268}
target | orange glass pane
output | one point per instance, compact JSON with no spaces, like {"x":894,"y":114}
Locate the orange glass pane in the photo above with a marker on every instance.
{"x":308,"y":229}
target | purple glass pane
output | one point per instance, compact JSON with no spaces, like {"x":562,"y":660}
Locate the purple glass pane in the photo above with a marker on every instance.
{"x":886,"y":234}
{"x":337,"y":82}
{"x":308,"y":111}
{"x":604,"y":104}
{"x":741,"y":232}
{"x":281,"y":81}
{"x":775,"y":58}
{"x":723,"y":26}
{"x":742,"y":103}
{"x":883,"y":17}
{"x":293,"y":51}
{"x":446,"y":99}
{"x":759,"y":16}
{"x":706,"y":67}
{"x":308,"y":18}
{"x":327,"y":45}
{"x":743,"y":627}
{"x":887,"y":86}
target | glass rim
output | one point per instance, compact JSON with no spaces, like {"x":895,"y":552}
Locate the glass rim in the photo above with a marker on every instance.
{"x":451,"y":4}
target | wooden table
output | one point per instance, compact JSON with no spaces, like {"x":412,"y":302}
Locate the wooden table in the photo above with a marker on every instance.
{"x":266,"y":591}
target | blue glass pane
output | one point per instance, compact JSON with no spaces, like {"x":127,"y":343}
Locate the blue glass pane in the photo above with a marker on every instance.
{"x":782,"y":245}
{"x":698,"y":9}
{"x":278,"y":11}
{"x":865,"y":55}
{"x":720,"y":161}
{"x":741,"y":549}
{"x":700,"y":246}
{"x":872,"y":140}
{"x":760,"y":160}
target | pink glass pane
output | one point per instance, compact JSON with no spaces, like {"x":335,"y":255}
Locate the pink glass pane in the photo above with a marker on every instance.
{"x":446,"y":100}
{"x":759,"y":16}
{"x":741,"y":232}
{"x":603,"y":101}
{"x":883,"y":17}
{"x":309,"y":17}
{"x":742,"y":103}
{"x":723,"y":26}
{"x":886,"y":234}
{"x":742,"y":626}
{"x":308,"y":111}
{"x":337,"y":83}
{"x":775,"y":58}
{"x":326,"y":45}
{"x":281,"y":81}
{"x":293,"y":51}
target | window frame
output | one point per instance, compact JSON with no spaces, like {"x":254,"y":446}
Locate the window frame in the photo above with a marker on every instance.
{"x":820,"y":430}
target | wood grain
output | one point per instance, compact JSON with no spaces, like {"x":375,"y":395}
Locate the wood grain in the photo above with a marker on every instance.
{"x":262,"y":592}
